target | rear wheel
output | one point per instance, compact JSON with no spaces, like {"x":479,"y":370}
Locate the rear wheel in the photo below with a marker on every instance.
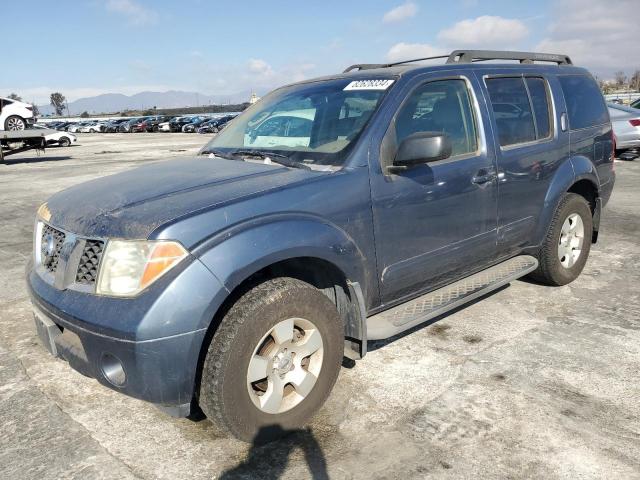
{"x":567,"y":244}
{"x":14,"y":123}
{"x":273,"y":360}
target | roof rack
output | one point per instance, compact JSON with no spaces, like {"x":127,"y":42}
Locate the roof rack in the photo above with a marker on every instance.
{"x":472,"y":56}
{"x":469,"y":56}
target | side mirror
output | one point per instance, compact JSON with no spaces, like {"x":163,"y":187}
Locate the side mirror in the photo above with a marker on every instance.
{"x":422,"y":147}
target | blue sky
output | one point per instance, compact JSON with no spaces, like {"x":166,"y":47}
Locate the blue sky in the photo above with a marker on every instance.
{"x":126,"y":46}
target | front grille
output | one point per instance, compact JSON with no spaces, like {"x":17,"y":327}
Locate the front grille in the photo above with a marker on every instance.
{"x":50,"y":246}
{"x":89,"y":262}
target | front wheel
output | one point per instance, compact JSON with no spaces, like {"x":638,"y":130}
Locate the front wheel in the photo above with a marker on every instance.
{"x":14,"y":123}
{"x":64,"y":142}
{"x":566,"y":247}
{"x":273,"y":360}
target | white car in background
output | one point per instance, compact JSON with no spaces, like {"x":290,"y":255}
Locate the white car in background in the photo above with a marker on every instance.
{"x":287,"y":128}
{"x":15,"y":115}
{"x":626,"y":126}
{"x":64,"y":139}
{"x":78,"y":127}
{"x":164,"y":127}
{"x":92,"y":128}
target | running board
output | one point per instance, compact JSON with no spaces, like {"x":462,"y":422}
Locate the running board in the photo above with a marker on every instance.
{"x":403,"y":317}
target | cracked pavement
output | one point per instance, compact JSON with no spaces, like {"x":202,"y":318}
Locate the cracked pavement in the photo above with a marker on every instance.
{"x":529,"y":382}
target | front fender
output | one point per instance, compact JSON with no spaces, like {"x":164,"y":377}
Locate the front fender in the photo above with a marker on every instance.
{"x":235,"y":254}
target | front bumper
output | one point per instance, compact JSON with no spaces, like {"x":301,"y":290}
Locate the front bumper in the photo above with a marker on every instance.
{"x":153,"y":341}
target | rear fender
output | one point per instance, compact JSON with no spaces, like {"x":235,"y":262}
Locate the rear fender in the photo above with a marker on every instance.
{"x":571,"y":171}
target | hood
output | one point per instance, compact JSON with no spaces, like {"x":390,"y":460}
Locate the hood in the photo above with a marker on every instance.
{"x":133,"y":204}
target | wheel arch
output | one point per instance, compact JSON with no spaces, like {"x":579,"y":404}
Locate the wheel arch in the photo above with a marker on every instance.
{"x":319,"y":272}
{"x":308,"y":249}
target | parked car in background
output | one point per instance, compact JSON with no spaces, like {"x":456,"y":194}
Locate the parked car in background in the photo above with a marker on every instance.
{"x":15,"y":115}
{"x":166,"y":126}
{"x":152,"y":124}
{"x":176,"y":124}
{"x":192,"y":126}
{"x":215,"y":124}
{"x":626,"y":126}
{"x":125,"y":127}
{"x":63,"y":139}
{"x":61,"y":125}
{"x":92,"y":127}
{"x":635,"y":104}
{"x":113,"y":125}
{"x":76,"y":127}
{"x":139,"y":125}
{"x":236,"y":286}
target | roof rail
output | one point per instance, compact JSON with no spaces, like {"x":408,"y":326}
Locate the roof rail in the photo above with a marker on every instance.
{"x":369,"y":66}
{"x":469,"y":56}
{"x":364,"y":66}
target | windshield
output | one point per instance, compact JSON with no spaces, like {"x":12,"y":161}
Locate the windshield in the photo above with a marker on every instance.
{"x":314,"y":123}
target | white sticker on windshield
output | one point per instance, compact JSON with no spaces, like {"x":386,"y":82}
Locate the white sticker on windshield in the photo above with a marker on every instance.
{"x":379,"y":84}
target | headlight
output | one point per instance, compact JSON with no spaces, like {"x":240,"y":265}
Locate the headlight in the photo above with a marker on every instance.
{"x":127,"y":267}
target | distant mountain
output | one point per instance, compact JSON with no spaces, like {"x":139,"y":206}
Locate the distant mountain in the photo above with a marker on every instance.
{"x":117,"y":102}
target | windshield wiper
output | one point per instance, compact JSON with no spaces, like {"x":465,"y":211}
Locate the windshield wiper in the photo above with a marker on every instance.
{"x":217,"y":153}
{"x":274,"y":157}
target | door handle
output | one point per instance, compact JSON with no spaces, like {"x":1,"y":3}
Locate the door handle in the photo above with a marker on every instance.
{"x":483,"y":178}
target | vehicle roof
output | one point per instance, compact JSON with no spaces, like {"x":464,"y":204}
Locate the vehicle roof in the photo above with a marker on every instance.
{"x":414,"y":69}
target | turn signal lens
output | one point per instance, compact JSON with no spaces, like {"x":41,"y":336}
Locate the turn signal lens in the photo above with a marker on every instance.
{"x":163,"y":257}
{"x":128,"y":267}
{"x":44,"y":213}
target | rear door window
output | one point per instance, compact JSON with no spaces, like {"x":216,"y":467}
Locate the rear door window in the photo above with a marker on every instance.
{"x":540,"y":102}
{"x":512,"y":110}
{"x":585,"y":103}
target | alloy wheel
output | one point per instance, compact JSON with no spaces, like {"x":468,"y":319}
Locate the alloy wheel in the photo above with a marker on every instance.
{"x":571,"y":240}
{"x":285,"y":365}
{"x":15,"y":123}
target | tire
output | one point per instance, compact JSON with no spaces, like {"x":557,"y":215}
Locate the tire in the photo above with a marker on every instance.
{"x":215,"y":130}
{"x":227,"y":397}
{"x":559,"y":264}
{"x":64,"y":142}
{"x":15,"y":123}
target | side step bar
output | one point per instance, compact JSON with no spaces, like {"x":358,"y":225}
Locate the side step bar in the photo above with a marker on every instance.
{"x":403,"y":317}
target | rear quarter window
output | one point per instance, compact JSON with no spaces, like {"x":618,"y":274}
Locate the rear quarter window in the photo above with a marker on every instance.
{"x":585,"y":103}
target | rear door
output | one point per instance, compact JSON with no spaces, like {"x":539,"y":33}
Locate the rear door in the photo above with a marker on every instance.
{"x":433,"y":222}
{"x":529,"y":149}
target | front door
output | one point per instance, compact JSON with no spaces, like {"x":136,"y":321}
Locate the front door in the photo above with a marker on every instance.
{"x":437,"y":221}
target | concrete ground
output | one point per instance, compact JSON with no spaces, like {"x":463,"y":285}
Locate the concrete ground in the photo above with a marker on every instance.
{"x":531,"y":382}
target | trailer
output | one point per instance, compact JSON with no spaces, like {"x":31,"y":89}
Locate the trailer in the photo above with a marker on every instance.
{"x":12,"y":142}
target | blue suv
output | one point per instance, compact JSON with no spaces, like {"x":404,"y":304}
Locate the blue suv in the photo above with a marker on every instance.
{"x":332,"y":212}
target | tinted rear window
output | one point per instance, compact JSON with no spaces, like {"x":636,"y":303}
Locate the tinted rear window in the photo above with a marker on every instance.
{"x":540,"y":104}
{"x":511,"y":110}
{"x":585,"y":104}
